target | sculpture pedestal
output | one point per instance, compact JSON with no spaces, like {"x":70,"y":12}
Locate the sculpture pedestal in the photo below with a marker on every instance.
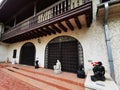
{"x":80,"y":74}
{"x":14,"y":61}
{"x":108,"y":84}
{"x":57,"y":71}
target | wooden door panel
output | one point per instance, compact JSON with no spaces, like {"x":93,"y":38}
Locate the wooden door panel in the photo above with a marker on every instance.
{"x":66,"y":52}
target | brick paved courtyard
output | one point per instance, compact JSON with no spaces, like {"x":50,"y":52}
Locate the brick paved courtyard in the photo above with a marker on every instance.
{"x":21,"y":77}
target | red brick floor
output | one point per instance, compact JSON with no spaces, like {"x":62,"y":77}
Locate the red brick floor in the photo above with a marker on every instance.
{"x":20,"y":77}
{"x":8,"y":82}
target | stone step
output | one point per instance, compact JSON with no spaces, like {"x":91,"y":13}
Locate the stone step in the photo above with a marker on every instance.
{"x":108,"y":84}
{"x":39,"y":85}
{"x":63,"y":85}
{"x":67,"y":77}
{"x":3,"y":65}
{"x":8,"y":82}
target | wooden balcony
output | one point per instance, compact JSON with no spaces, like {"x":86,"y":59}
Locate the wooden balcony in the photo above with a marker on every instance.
{"x":63,"y":16}
{"x":114,"y":7}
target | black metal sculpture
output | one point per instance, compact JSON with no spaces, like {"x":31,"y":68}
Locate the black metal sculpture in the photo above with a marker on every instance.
{"x":81,"y":72}
{"x":36,"y":64}
{"x":99,"y":72}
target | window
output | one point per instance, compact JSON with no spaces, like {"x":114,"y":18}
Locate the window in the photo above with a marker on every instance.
{"x":14,"y":53}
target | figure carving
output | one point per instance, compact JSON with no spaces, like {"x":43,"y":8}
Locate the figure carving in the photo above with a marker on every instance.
{"x":57,"y":67}
{"x":81,"y":72}
{"x":36,"y":64}
{"x":99,"y":72}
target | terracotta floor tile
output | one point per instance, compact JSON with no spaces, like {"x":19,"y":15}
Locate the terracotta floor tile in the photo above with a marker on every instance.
{"x":23,"y":77}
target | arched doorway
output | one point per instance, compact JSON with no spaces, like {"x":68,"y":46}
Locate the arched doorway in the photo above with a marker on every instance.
{"x":27,"y":54}
{"x":68,"y":50}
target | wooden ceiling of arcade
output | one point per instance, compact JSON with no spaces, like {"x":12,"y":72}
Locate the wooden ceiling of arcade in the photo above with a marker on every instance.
{"x":21,"y":9}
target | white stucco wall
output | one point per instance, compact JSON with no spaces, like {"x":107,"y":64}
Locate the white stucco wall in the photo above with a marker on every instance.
{"x":3,"y":47}
{"x":114,"y":28}
{"x":114,"y":31}
{"x":3,"y":52}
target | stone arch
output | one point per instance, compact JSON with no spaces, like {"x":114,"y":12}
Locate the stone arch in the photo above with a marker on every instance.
{"x":67,"y":49}
{"x":27,"y":54}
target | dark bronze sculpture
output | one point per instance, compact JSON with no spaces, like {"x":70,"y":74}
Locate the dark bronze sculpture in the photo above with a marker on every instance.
{"x":36,"y":64}
{"x":99,"y":72}
{"x":81,"y":72}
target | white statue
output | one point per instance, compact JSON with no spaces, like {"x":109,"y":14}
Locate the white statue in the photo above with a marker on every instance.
{"x":14,"y":61}
{"x":57,"y":67}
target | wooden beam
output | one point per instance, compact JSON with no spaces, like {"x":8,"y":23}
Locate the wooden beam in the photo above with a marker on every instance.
{"x":37,"y":33}
{"x":62,"y":26}
{"x":55,"y":28}
{"x":40,"y":33}
{"x":44,"y":30}
{"x":11,"y":40}
{"x":34,"y":34}
{"x":77,"y":22}
{"x":68,"y":23}
{"x":52,"y":31}
{"x":88,"y":19}
{"x":16,"y":38}
{"x":28,"y":35}
{"x":31,"y":35}
{"x":20,"y":37}
{"x":25,"y":34}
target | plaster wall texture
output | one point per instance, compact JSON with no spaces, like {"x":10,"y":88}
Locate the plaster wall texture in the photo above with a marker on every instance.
{"x":114,"y":28}
{"x":114,"y":32}
{"x":3,"y":52}
{"x":3,"y":47}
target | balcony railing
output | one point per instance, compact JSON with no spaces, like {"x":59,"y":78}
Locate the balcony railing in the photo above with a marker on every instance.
{"x":44,"y":16}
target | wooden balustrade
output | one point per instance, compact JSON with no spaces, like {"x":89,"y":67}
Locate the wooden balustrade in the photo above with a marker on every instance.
{"x":57,"y":9}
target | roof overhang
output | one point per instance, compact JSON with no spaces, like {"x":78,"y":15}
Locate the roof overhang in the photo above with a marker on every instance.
{"x":114,"y":7}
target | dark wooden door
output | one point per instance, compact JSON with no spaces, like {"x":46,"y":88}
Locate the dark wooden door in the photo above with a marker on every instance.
{"x":53,"y":54}
{"x":69,"y":55}
{"x":66,"y":52}
{"x":27,"y":56}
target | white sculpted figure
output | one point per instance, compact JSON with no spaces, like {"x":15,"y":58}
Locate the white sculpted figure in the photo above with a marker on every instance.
{"x":57,"y":67}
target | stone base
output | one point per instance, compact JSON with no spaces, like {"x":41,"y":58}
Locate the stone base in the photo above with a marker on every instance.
{"x":57,"y":71}
{"x":93,"y":78}
{"x":13,"y":62}
{"x":108,"y":84}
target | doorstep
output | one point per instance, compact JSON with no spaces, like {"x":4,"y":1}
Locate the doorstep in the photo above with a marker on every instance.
{"x":108,"y":84}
